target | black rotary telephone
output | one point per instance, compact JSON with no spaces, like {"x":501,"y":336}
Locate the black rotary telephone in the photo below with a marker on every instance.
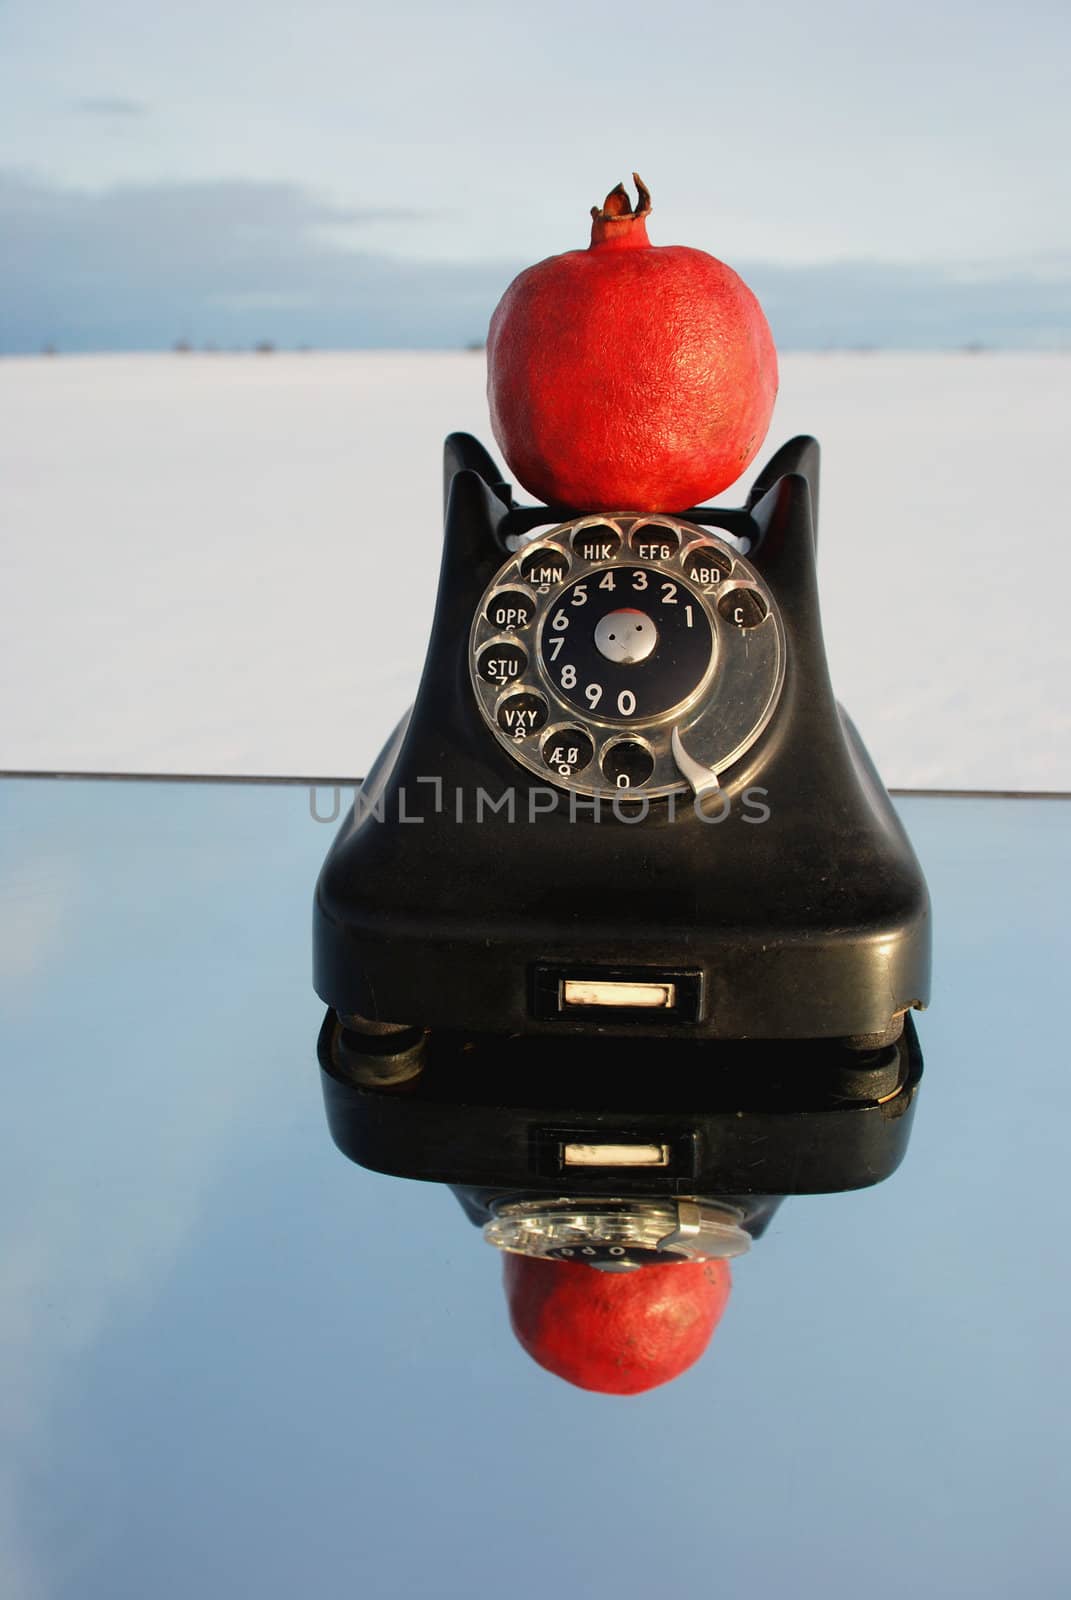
{"x":623,"y":907}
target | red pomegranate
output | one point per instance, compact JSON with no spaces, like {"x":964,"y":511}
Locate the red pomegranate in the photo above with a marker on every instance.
{"x":619,"y":1333}
{"x":629,"y":376}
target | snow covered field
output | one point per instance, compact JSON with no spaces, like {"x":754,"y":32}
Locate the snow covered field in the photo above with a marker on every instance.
{"x":227,"y":564}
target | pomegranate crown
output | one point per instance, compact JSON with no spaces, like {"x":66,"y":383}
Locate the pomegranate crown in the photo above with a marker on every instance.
{"x":616,"y":223}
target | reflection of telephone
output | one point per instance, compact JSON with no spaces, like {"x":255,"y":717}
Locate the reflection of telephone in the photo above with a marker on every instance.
{"x":624,"y":809}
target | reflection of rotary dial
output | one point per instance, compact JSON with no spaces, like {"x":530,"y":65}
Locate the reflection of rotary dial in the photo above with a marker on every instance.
{"x":627,"y":654}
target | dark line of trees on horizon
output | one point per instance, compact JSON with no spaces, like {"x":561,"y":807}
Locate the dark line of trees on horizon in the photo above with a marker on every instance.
{"x":267,"y":347}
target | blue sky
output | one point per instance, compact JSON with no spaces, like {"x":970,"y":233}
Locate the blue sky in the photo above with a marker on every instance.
{"x":351,"y":174}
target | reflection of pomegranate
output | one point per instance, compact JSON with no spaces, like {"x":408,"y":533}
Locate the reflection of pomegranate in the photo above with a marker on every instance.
{"x":629,"y":376}
{"x":617,"y":1332}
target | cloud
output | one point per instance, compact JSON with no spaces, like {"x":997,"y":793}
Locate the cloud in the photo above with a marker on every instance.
{"x":110,"y":105}
{"x":138,"y":267}
{"x":922,"y":306}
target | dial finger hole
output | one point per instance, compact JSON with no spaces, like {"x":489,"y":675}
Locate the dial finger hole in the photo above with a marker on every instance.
{"x":502,"y":662}
{"x":521,"y":714}
{"x":652,"y":541}
{"x":627,"y":764}
{"x":510,"y":608}
{"x":597,"y":542}
{"x":744,"y":608}
{"x":544,"y":567}
{"x":567,"y":751}
{"x":707,"y":567}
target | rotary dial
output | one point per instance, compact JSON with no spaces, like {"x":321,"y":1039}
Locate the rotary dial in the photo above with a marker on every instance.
{"x":627,"y":654}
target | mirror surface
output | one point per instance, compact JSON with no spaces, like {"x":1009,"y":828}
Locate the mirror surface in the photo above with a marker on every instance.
{"x":233,"y":1361}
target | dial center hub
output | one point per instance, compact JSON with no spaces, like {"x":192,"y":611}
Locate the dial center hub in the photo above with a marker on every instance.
{"x":625,"y":642}
{"x":626,"y":636}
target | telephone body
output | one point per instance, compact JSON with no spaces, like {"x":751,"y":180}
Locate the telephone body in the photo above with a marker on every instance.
{"x":626,"y":858}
